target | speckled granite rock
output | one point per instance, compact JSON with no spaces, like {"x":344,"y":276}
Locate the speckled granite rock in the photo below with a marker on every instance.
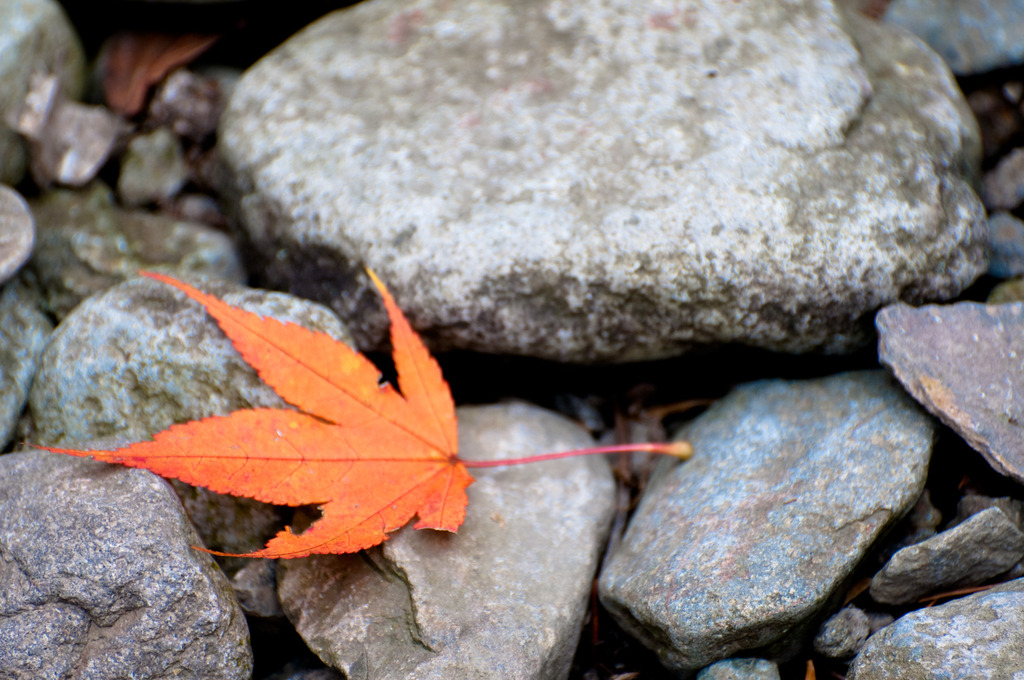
{"x":739,"y":550}
{"x":100,"y":581}
{"x":606,"y":181}
{"x":503,"y":598}
{"x":973,"y":637}
{"x":34,"y":35}
{"x":963,"y":362}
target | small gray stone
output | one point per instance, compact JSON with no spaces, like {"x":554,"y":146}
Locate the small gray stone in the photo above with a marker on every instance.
{"x":504,"y":597}
{"x":602,"y":180}
{"x":152,"y":169}
{"x":255,"y":585}
{"x":1004,"y":185}
{"x":35,"y":37}
{"x":24,"y":332}
{"x":973,"y":37}
{"x":973,"y":637}
{"x":100,"y":581}
{"x":1006,"y":245}
{"x":965,"y":363}
{"x":741,"y":669}
{"x":983,"y":546}
{"x":17,"y":232}
{"x":85,"y":245}
{"x":843,"y":634}
{"x":739,"y":549}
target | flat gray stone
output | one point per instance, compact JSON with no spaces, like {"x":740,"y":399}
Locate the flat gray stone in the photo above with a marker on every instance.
{"x":35,"y":36}
{"x":738,"y":550}
{"x":965,"y":363}
{"x":843,"y":634}
{"x":600,"y":181}
{"x":100,"y":581}
{"x":971,"y":638}
{"x":85,"y":244}
{"x":505,"y":597}
{"x":140,"y":357}
{"x":24,"y":331}
{"x":985,"y":545}
{"x":973,"y":37}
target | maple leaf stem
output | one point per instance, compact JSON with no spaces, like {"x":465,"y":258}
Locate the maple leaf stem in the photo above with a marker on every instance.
{"x":681,"y":450}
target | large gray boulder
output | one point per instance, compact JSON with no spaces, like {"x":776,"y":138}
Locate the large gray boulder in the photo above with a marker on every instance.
{"x":604,"y":181}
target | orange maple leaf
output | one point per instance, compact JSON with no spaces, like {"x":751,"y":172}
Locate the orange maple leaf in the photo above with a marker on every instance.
{"x":369,"y":456}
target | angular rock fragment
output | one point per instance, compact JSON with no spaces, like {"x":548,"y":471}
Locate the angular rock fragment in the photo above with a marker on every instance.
{"x":965,"y":363}
{"x":983,"y":546}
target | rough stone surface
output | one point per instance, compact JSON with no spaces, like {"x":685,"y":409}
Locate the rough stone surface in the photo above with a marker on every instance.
{"x":843,"y":634}
{"x":605,"y":181}
{"x":24,"y":331}
{"x":503,"y":598}
{"x":1006,"y":245}
{"x":737,"y":551}
{"x":140,"y":357}
{"x":973,"y":37}
{"x":100,"y":581}
{"x":971,"y":638}
{"x":985,"y":545}
{"x":35,"y":35}
{"x":965,"y":363}
{"x":741,"y":669}
{"x":85,"y":244}
{"x":152,"y":169}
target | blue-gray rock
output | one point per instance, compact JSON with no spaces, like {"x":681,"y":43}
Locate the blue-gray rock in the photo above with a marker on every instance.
{"x":737,"y":551}
{"x":972,"y":638}
{"x":505,"y":597}
{"x":973,"y":37}
{"x":100,"y":581}
{"x":985,"y":545}
{"x":85,"y":244}
{"x":1006,"y":245}
{"x":35,"y":37}
{"x":605,"y":180}
{"x":843,"y":634}
{"x":973,"y":503}
{"x":741,"y":669}
{"x":24,"y":331}
{"x":139,"y":358}
{"x":963,"y":363}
